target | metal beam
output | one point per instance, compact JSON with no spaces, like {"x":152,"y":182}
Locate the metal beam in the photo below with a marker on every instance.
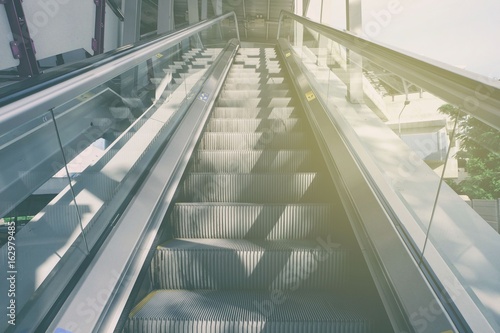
{"x":22,"y":46}
{"x":118,"y":12}
{"x":100,"y":18}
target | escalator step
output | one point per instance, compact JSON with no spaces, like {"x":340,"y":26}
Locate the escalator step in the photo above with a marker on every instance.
{"x":256,"y":102}
{"x":252,"y":235}
{"x":248,"y":86}
{"x":249,"y":221}
{"x":258,"y":140}
{"x":246,"y":94}
{"x":254,"y":125}
{"x":273,"y":80}
{"x":256,"y":188}
{"x":256,"y":161}
{"x":232,"y":264}
{"x":256,"y":72}
{"x":274,"y":311}
{"x":263,"y":112}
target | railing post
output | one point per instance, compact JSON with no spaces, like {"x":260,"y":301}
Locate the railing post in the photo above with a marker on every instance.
{"x":354,"y":61}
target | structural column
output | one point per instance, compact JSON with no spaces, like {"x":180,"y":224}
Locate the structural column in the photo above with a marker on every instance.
{"x":165,"y":16}
{"x":217,"y":4}
{"x":131,"y":34}
{"x":204,"y":9}
{"x":298,"y":29}
{"x":132,"y":21}
{"x":193,"y":11}
{"x":354,"y":61}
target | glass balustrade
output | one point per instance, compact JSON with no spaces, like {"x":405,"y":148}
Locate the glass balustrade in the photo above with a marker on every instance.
{"x":68,"y":171}
{"x":440,"y":160}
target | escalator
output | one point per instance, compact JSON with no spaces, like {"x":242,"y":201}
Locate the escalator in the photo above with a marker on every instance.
{"x":235,"y":192}
{"x":257,"y":240}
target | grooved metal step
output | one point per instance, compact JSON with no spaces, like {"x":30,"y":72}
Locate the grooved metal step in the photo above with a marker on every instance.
{"x":232,"y":264}
{"x":252,"y":235}
{"x":253,"y":161}
{"x":246,"y":94}
{"x":261,"y":112}
{"x":184,"y":311}
{"x":254,"y":125}
{"x":261,"y":66}
{"x":256,"y":72}
{"x":273,"y":80}
{"x":255,"y":188}
{"x":250,"y":221}
{"x":256,"y":102}
{"x":258,"y":140}
{"x":247,"y":86}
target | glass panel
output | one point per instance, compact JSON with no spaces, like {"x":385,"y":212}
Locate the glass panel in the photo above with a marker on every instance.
{"x":466,"y":238}
{"x":72,"y":168}
{"x":32,"y":238}
{"x":428,"y":151}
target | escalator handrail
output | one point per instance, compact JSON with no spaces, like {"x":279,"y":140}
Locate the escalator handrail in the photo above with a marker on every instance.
{"x":151,"y":201}
{"x":28,"y":99}
{"x":475,"y":94}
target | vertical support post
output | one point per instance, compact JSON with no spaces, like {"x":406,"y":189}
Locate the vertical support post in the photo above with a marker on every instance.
{"x":22,"y":46}
{"x":131,"y":34}
{"x":204,"y":9}
{"x":131,"y":22}
{"x":100,"y":17}
{"x":498,"y":215}
{"x":298,"y":30}
{"x":193,"y":11}
{"x":268,"y":18}
{"x":322,"y":50}
{"x":194,"y":17}
{"x":217,"y":5}
{"x":354,"y":61}
{"x":165,"y":16}
{"x":245,"y":25}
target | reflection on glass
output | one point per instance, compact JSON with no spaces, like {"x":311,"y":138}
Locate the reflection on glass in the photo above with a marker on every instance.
{"x":428,"y":152}
{"x":71,"y":169}
{"x":33,"y":231}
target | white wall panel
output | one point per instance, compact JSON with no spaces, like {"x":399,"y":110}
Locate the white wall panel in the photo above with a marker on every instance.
{"x":58,"y":26}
